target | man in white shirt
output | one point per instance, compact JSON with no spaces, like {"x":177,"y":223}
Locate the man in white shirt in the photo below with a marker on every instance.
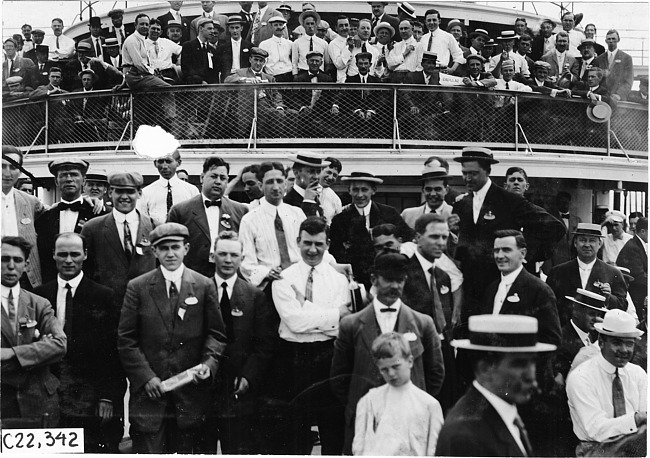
{"x":61,"y":46}
{"x":506,"y":83}
{"x":278,"y":63}
{"x":617,"y":238}
{"x":384,"y":33}
{"x":402,"y":59}
{"x":308,"y":43}
{"x":608,"y":394}
{"x":440,"y":42}
{"x":486,"y":421}
{"x":162,"y":52}
{"x":330,"y":201}
{"x":507,"y":40}
{"x":311,"y":298}
{"x":348,"y":55}
{"x":575,"y":36}
{"x":338,"y":45}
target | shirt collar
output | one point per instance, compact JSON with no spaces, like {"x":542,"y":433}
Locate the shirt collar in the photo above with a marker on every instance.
{"x":120,"y":217}
{"x":230,"y":282}
{"x":483,"y":191}
{"x":299,"y":190}
{"x":15,"y":289}
{"x":172,"y":181}
{"x":606,"y":365}
{"x":507,"y":411}
{"x":9,"y":195}
{"x":424,"y":262}
{"x":365,"y":210}
{"x":74,"y":283}
{"x":175,"y":275}
{"x":612,"y":52}
{"x":377,"y":305}
{"x":595,"y":88}
{"x":584,"y":266}
{"x":268,"y":207}
{"x":305,"y":268}
{"x":510,"y":278}
{"x":78,"y":199}
{"x":583,"y":335}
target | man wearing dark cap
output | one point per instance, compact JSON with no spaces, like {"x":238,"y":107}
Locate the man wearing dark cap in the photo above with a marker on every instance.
{"x":587,"y":272}
{"x":235,"y":54}
{"x":180,"y":21}
{"x":106,"y":75}
{"x":97,"y":185}
{"x":485,"y":209}
{"x":485,"y":421}
{"x":198,"y":57}
{"x":69,"y":215}
{"x":170,"y":324}
{"x":38,"y":35}
{"x":353,"y":371}
{"x":117,"y":29}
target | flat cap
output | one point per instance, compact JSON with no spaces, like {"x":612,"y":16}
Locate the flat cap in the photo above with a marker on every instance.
{"x":478,"y":57}
{"x":314,"y":54}
{"x":74,"y":163}
{"x":542,"y":64}
{"x":125,"y":180}
{"x":14,"y":79}
{"x":38,"y":32}
{"x":363,"y":55}
{"x":168,"y":232}
{"x":174,"y":23}
{"x":586,"y":42}
{"x":259,"y":52}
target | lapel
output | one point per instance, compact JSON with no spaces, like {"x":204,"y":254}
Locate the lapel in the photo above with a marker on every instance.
{"x":22,"y":208}
{"x":573,"y":277}
{"x":405,"y":321}
{"x":501,"y":431}
{"x":113,"y":238}
{"x":158,"y":294}
{"x":487,"y":202}
{"x":187,"y":290}
{"x":375,"y":214}
{"x":518,"y":287}
{"x":200,"y":217}
{"x":143,"y":232}
{"x":24,"y":308}
{"x":7,"y":331}
{"x":595,"y":275}
{"x":370,"y":328}
{"x":239,"y":297}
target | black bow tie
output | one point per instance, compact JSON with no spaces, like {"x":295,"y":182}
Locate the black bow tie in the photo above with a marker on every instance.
{"x":313,"y":75}
{"x":75,"y":206}
{"x":564,"y":215}
{"x":212,"y":203}
{"x":387,"y":309}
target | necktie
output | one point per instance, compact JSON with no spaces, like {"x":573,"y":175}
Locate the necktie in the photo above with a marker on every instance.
{"x":310,"y":285}
{"x":430,"y":42}
{"x":67,"y":325}
{"x":564,"y":215}
{"x":156,"y":48}
{"x":618,"y":396}
{"x":41,"y":66}
{"x":11,"y":66}
{"x":170,"y":200}
{"x":212,"y":203}
{"x":507,"y":86}
{"x":439,"y":315}
{"x":173,"y":296}
{"x":363,"y":47}
{"x":256,"y":26}
{"x":524,"y":435}
{"x":75,"y":206}
{"x":205,"y":48}
{"x":98,"y":48}
{"x":121,"y":37}
{"x":383,"y":50}
{"x":12,"y":310}
{"x":128,"y":241}
{"x":285,"y":259}
{"x":500,"y":297}
{"x":610,"y":58}
{"x":311,"y":44}
{"x":226,"y":312}
{"x":57,"y":42}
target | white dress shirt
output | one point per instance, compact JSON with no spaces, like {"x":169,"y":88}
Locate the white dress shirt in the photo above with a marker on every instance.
{"x":330,"y":203}
{"x":386,"y":320}
{"x":585,"y":271}
{"x":5,"y":297}
{"x":426,"y":265}
{"x":589,"y":390}
{"x":575,"y":37}
{"x":300,"y":49}
{"x":279,"y":60}
{"x":612,"y":247}
{"x":9,"y":218}
{"x":166,"y":50}
{"x":396,"y":60}
{"x":65,"y":50}
{"x":504,"y":287}
{"x":213,"y":215}
{"x":97,"y":41}
{"x":335,"y":49}
{"x":230,"y":286}
{"x":479,"y":198}
{"x":61,"y":293}
{"x":521,"y":65}
{"x":443,"y":44}
{"x":236,"y":50}
{"x":512,"y":86}
{"x":134,"y":222}
{"x":68,"y":218}
{"x":316,"y":320}
{"x":154,"y":197}
{"x":175,"y":276}
{"x":347,"y":56}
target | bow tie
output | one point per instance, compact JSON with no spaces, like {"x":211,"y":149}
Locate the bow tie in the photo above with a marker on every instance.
{"x":387,"y":309}
{"x":75,"y":206}
{"x":313,"y":75}
{"x":564,"y":215}
{"x":212,"y":203}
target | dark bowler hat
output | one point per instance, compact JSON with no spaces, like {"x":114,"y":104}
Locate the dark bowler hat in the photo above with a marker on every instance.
{"x":83,"y":46}
{"x":314,"y":54}
{"x":392,"y":266}
{"x":309,"y":13}
{"x":168,"y":231}
{"x":95,"y":21}
{"x":363,"y":176}
{"x":504,"y":334}
{"x":78,"y":164}
{"x":363,"y":55}
{"x":42,"y":48}
{"x":115,"y":13}
{"x":588,"y":229}
{"x":589,"y":299}
{"x":111,"y":43}
{"x":480,"y":33}
{"x":383,"y":3}
{"x":429,"y":55}
{"x":309,"y":158}
{"x":235,"y":19}
{"x":430,"y":173}
{"x":97,"y":175}
{"x":586,"y":42}
{"x":476,"y":153}
{"x":125,"y":180}
{"x":174,"y":23}
{"x":259,"y":52}
{"x":38,"y":32}
{"x":478,"y":57}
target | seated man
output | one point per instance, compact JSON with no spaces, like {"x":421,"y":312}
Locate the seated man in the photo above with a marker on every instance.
{"x":594,"y":90}
{"x":88,"y":111}
{"x":43,"y":65}
{"x":106,"y":75}
{"x":507,"y":41}
{"x":540,"y":82}
{"x":505,"y":105}
{"x":367,"y":105}
{"x":476,"y":109}
{"x":582,"y":64}
{"x":162,"y":52}
{"x":608,"y":394}
{"x":17,"y":89}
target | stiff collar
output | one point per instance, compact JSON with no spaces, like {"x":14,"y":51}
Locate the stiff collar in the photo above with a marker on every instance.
{"x":606,"y":365}
{"x":299,"y":190}
{"x":508,"y":412}
{"x":424,"y":262}
{"x":365,"y":211}
{"x":74,"y":282}
{"x":583,"y":335}
{"x":377,"y":305}
{"x":131,"y":217}
{"x":512,"y":276}
{"x":584,"y":266}
{"x":484,"y":190}
{"x":175,"y":275}
{"x":14,"y":289}
{"x":79,"y":199}
{"x":270,"y":208}
{"x":230,"y":282}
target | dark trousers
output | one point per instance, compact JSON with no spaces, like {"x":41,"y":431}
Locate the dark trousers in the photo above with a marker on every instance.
{"x":98,"y":438}
{"x":168,"y":439}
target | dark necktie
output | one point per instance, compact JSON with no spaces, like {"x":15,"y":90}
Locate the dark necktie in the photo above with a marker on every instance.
{"x":205,"y":47}
{"x":226,"y":312}
{"x":524,"y":436}
{"x":170,"y":200}
{"x":12,"y":310}
{"x":363,"y":47}
{"x":311,"y":44}
{"x":41,"y":66}
{"x":507,"y":85}
{"x":74,"y":206}
{"x":387,"y":309}
{"x":57,"y":42}
{"x":98,"y":49}
{"x":173,"y":296}
{"x":11,"y":66}
{"x":67,"y":325}
{"x":212,"y":203}
{"x":430,"y":42}
{"x":128,"y":241}
{"x":618,"y":396}
{"x":310,"y":286}
{"x":122,"y":37}
{"x":285,"y":259}
{"x":439,"y":315}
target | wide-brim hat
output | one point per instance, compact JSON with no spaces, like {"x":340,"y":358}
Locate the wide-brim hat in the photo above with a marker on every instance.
{"x":455,"y":22}
{"x":507,"y":35}
{"x":618,"y":323}
{"x":615,"y":215}
{"x":97,"y":175}
{"x":590,"y":229}
{"x":599,"y":111}
{"x":362,"y":176}
{"x":174,"y":23}
{"x":168,"y":232}
{"x":407,"y":8}
{"x":476,"y":153}
{"x":384,"y":25}
{"x":111,"y":43}
{"x":79,"y":164}
{"x":310,"y":159}
{"x":480,"y":32}
{"x":434,"y":173}
{"x":589,"y":299}
{"x":309,"y":13}
{"x":84,"y":46}
{"x":586,"y":42}
{"x":504,"y":334}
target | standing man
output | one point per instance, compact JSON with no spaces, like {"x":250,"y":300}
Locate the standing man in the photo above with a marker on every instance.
{"x":442,"y":43}
{"x":170,"y":323}
{"x":207,"y":214}
{"x":634,"y":256}
{"x":278,"y":64}
{"x":485,"y":421}
{"x":587,"y":272}
{"x":562,"y":251}
{"x":614,"y":242}
{"x":263,"y":27}
{"x":207,"y":13}
{"x":434,"y":188}
{"x":96,"y":186}
{"x":379,"y":16}
{"x":26,"y":30}
{"x":311,"y":298}
{"x":559,"y":59}
{"x":174,"y":14}
{"x":96,"y":41}
{"x":306,"y":190}
{"x":353,"y":371}
{"x":235,"y":53}
{"x":28,"y":386}
{"x":38,"y":35}
{"x":92,"y":381}
{"x":402,"y":59}
{"x":117,"y":29}
{"x":307,"y":43}
{"x":69,"y":215}
{"x":61,"y":46}
{"x":544,"y":42}
{"x":336,"y":47}
{"x":349,"y":54}
{"x":575,"y":36}
{"x":198,"y":57}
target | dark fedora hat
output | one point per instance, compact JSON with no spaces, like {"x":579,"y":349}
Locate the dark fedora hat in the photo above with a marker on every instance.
{"x":476,"y":153}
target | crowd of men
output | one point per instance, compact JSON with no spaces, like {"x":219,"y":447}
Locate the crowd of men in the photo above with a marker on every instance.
{"x":244,"y":324}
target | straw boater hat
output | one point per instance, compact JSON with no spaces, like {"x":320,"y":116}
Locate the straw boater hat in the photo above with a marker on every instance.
{"x":588,"y":229}
{"x":174,"y":23}
{"x":431,"y":173}
{"x":616,"y":216}
{"x":480,"y":32}
{"x":97,"y":175}
{"x":235,"y":19}
{"x":309,"y":158}
{"x":476,"y":153}
{"x":84,"y":46}
{"x":384,"y":25}
{"x":111,"y":43}
{"x":599,"y":111}
{"x":407,"y":9}
{"x":504,"y":334}
{"x":627,"y":274}
{"x":507,"y":35}
{"x":589,"y":299}
{"x":618,"y":323}
{"x":363,"y":176}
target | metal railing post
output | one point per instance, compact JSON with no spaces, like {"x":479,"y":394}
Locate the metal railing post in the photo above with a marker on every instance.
{"x":609,"y":142}
{"x":131,"y":117}
{"x":47,"y":127}
{"x":395,"y":125}
{"x":516,"y":124}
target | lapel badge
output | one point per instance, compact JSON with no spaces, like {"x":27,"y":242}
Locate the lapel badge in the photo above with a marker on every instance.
{"x":26,"y":323}
{"x":598,"y":284}
{"x":181,"y":311}
{"x":191,"y":300}
{"x":25,"y":221}
{"x":444,"y":289}
{"x":225,"y":221}
{"x":144,"y":241}
{"x":513,"y":298}
{"x":489,"y":215}
{"x":236,"y":312}
{"x":138,"y":249}
{"x":410,"y":336}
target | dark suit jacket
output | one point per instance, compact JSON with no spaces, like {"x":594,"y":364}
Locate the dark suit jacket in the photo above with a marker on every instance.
{"x":95,"y":106}
{"x":111,"y":33}
{"x":191,"y":214}
{"x":530,"y":296}
{"x":47,"y":228}
{"x":22,"y":67}
{"x":107,"y":263}
{"x":224,"y":57}
{"x":564,"y":279}
{"x":364,"y":100}
{"x":249,"y":354}
{"x":194,"y":63}
{"x":153,"y":341}
{"x":580,"y":83}
{"x":474,"y":428}
{"x":93,"y":51}
{"x":545,"y":89}
{"x":567,"y":350}
{"x":27,"y":376}
{"x":42,"y":78}
{"x":551,"y":58}
{"x":563,"y":250}
{"x":302,"y":98}
{"x":424,"y":100}
{"x":165,"y":18}
{"x":621,"y":74}
{"x":634,"y":257}
{"x":354,"y":371}
{"x":91,"y":369}
{"x":296,"y":200}
{"x":601,"y":91}
{"x":106,"y":78}
{"x":351,"y":242}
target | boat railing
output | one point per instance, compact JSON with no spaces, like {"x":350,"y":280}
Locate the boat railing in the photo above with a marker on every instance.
{"x":253,"y":117}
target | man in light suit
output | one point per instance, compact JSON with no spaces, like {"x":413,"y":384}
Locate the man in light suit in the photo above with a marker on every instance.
{"x":434,"y":187}
{"x":20,"y":211}
{"x":207,"y":214}
{"x":559,"y":59}
{"x":562,"y":251}
{"x":353,"y":371}
{"x":113,"y":258}
{"x":15,"y":65}
{"x":504,"y":349}
{"x":32,"y":340}
{"x":618,"y":66}
{"x":170,"y":323}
